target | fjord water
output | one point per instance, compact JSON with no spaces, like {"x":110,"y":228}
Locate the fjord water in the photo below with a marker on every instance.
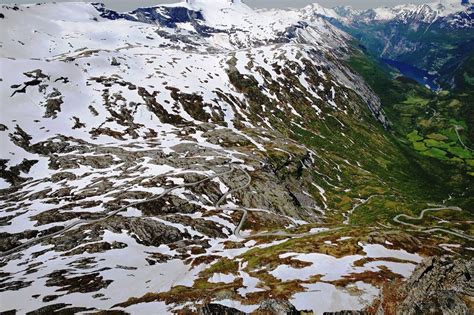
{"x":409,"y":71}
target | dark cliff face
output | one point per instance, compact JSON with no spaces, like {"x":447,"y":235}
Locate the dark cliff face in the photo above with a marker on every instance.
{"x":161,"y":15}
{"x":439,"y":285}
{"x":166,"y":16}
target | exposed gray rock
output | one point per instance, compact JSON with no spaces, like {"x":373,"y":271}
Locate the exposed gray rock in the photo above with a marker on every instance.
{"x":168,"y":204}
{"x":206,"y":227}
{"x":53,"y":105}
{"x":217,"y":309}
{"x":146,"y":231}
{"x":439,"y":285}
{"x":346,"y":313}
{"x":58,"y":309}
{"x":277,"y":307}
{"x":114,"y":62}
{"x":13,"y":174}
{"x":63,"y":175}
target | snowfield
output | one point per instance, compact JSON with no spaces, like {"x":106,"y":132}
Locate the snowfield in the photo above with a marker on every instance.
{"x":128,"y":138}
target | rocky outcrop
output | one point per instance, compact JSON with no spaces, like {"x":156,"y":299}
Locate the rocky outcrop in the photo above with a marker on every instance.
{"x":214,"y":309}
{"x":439,"y":285}
{"x":13,"y":174}
{"x":274,"y":306}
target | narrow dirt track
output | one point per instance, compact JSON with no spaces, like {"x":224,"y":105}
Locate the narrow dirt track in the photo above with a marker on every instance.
{"x":237,"y":230}
{"x":111,"y":214}
{"x":245,"y":211}
{"x":431,"y":230}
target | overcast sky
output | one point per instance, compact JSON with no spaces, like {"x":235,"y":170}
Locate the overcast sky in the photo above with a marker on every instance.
{"x":126,"y":5}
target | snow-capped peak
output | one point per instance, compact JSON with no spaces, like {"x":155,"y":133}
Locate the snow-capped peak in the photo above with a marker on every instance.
{"x":218,"y":13}
{"x":317,"y":9}
{"x":406,"y":13}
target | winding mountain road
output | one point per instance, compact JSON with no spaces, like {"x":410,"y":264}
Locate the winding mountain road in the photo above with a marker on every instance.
{"x":111,"y":214}
{"x":431,"y":230}
{"x":456,"y":129}
{"x":237,"y":230}
{"x":245,"y":212}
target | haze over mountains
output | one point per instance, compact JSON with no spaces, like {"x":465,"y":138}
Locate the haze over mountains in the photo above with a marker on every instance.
{"x":205,"y":157}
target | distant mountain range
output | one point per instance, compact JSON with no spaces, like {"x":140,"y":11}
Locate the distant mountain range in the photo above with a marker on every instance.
{"x":444,"y":14}
{"x":435,"y":37}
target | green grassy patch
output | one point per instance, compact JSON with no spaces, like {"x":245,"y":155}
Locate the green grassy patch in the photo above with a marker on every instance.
{"x":414,"y":136}
{"x":419,"y":146}
{"x":224,"y":266}
{"x":427,"y":119}
{"x":436,"y":153}
{"x":460,"y":152}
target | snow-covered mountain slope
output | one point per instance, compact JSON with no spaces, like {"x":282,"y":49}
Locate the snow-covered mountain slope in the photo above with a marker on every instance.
{"x":62,"y":69}
{"x":235,"y":25}
{"x":181,"y":155}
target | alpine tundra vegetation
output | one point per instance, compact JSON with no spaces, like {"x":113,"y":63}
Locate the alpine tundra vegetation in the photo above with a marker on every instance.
{"x":205,"y":157}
